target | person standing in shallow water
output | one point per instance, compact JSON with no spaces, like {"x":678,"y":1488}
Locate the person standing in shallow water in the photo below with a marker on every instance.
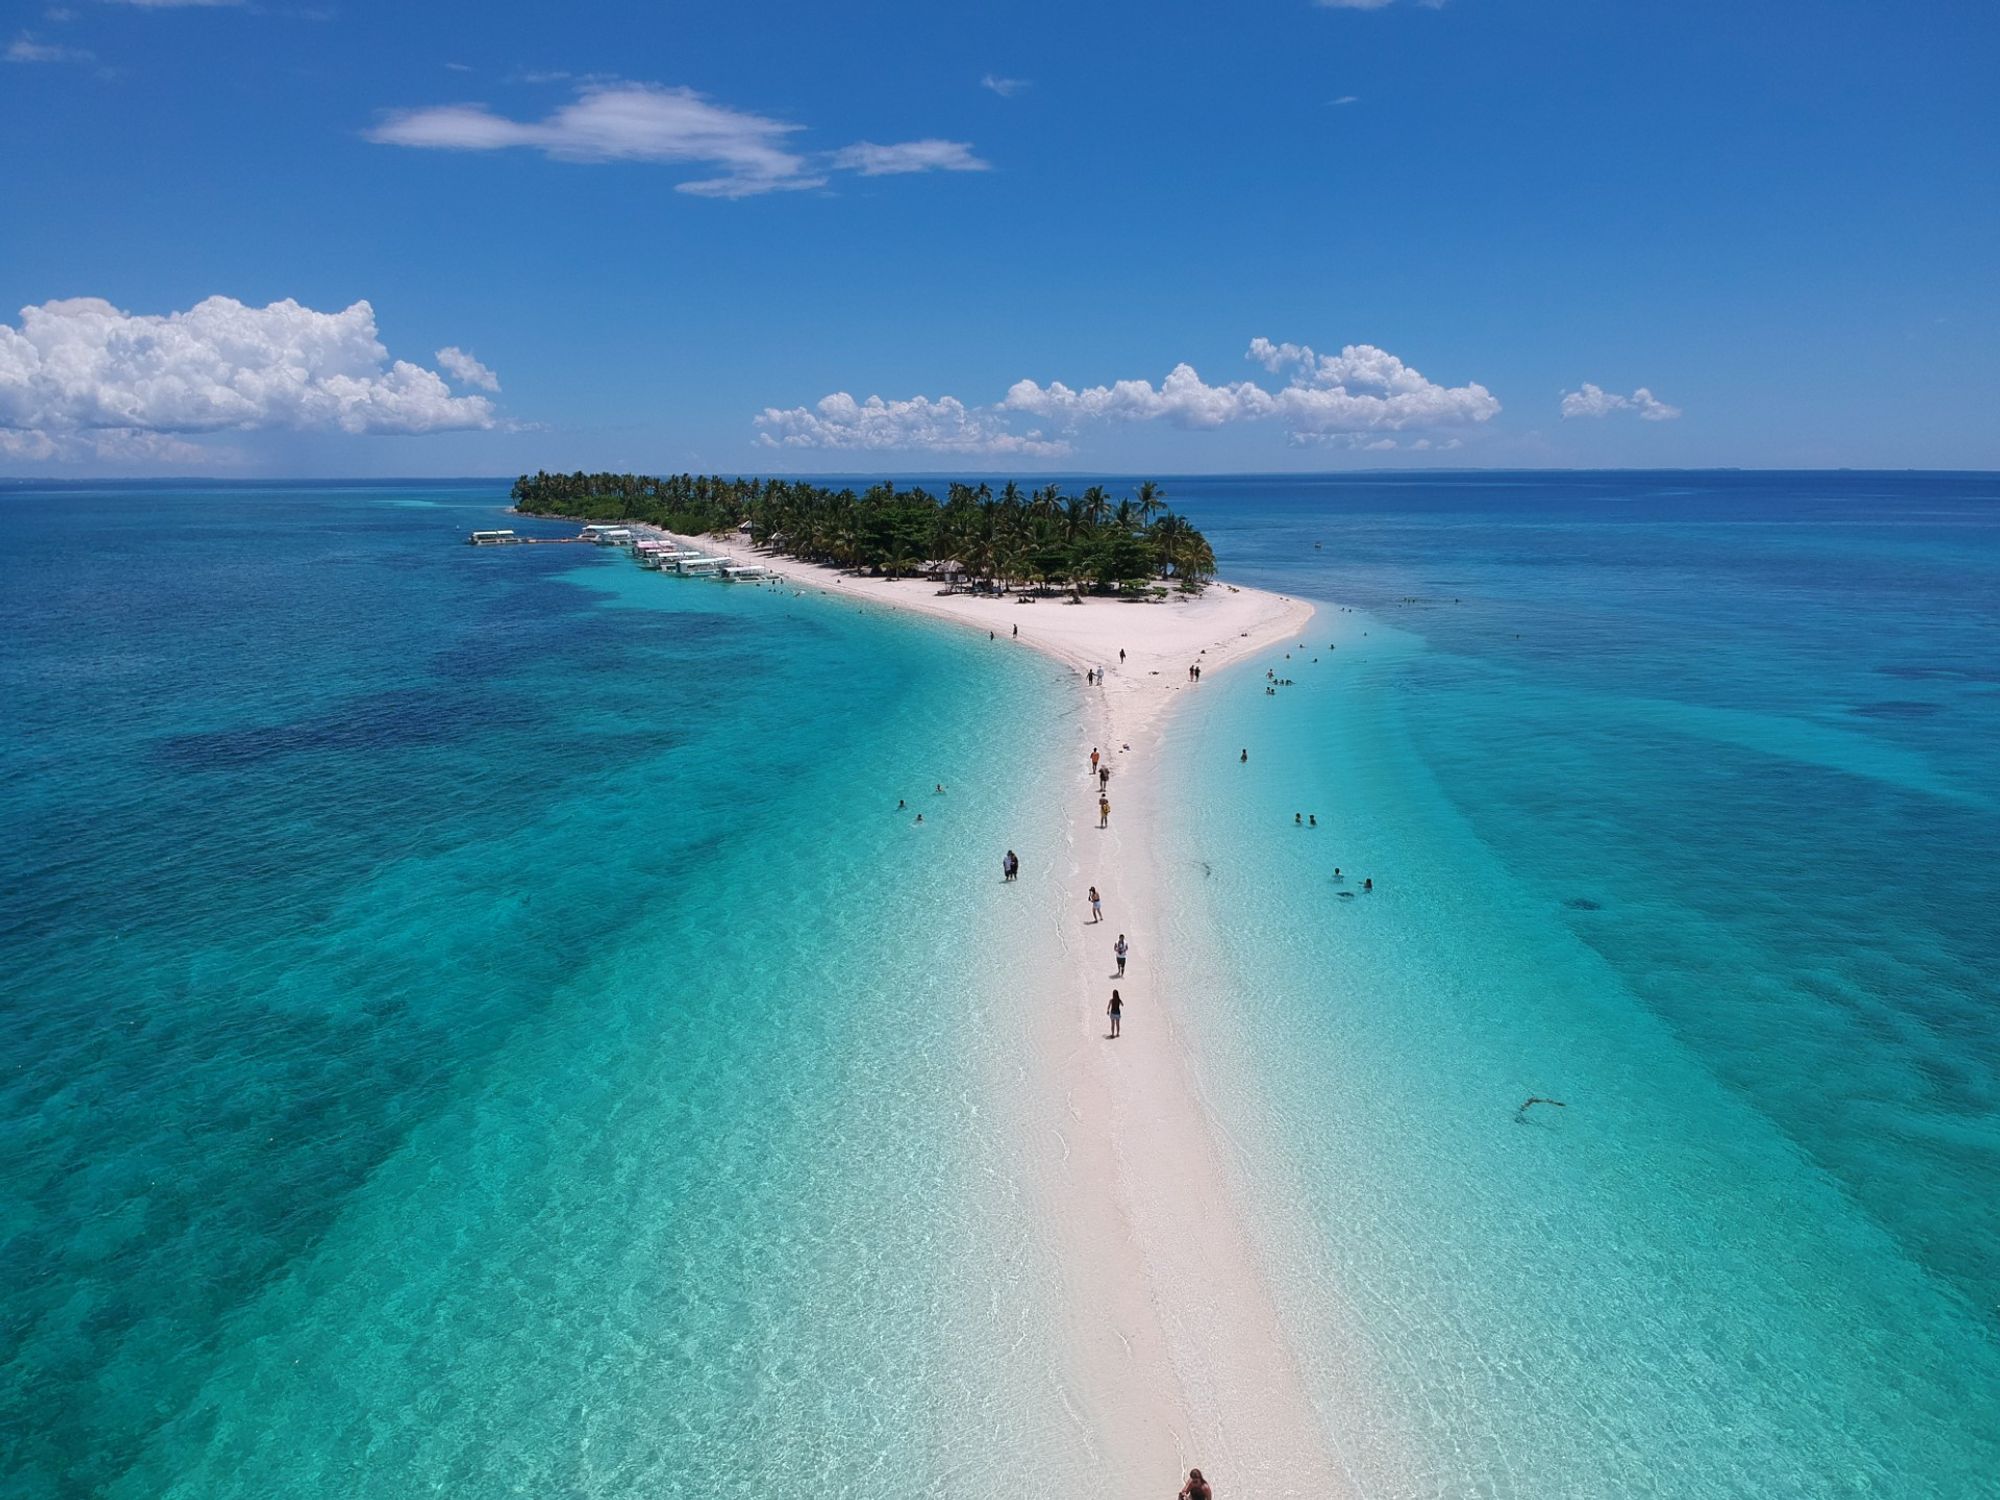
{"x":1115,"y":1010}
{"x":1009,"y":866}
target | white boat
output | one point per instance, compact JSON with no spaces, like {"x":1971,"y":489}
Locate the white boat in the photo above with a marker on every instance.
{"x":494,"y":539}
{"x":745,"y":572}
{"x":691,"y":566}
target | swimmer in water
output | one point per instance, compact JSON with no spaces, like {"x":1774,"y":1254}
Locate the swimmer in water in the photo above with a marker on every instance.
{"x":1298,"y":821}
{"x":1244,"y":757}
{"x":1368,"y":885}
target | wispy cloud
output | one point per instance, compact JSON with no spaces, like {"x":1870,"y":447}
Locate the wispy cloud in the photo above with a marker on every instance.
{"x":1357,"y":398}
{"x":177,"y":4}
{"x":1594,"y":401}
{"x":1374,"y":4}
{"x":1346,"y":99}
{"x":748,"y":154}
{"x":1006,"y":88}
{"x":871,"y":160}
{"x":25,"y":48}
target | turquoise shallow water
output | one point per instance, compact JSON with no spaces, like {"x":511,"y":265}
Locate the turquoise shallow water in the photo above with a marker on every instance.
{"x":476,"y":1023}
{"x":1680,"y":803}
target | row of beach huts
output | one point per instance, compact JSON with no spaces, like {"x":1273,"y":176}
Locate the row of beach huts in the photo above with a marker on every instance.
{"x":658,"y":554}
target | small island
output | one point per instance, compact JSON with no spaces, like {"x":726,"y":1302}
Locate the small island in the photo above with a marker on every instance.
{"x":998,"y":540}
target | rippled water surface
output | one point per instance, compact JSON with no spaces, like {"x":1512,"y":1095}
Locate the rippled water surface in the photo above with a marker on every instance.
{"x":474,"y":1021}
{"x":468,"y":1028}
{"x":1681,"y":795}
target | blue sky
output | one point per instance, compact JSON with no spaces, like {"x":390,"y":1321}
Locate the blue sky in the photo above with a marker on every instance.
{"x":619,"y":235}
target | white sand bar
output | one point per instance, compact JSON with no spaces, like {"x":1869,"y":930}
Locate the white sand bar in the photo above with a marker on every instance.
{"x":1177,"y":1353}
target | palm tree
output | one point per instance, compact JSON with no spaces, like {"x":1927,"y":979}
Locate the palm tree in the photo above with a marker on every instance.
{"x":1167,"y":535}
{"x":1152,"y":500}
{"x":1076,"y":518}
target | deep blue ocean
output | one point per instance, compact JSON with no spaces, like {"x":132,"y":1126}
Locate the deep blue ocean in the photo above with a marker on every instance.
{"x":471,"y":1017}
{"x":1681,"y":794}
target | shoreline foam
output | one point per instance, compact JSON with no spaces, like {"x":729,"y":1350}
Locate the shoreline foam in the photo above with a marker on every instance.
{"x":1176,"y":1354}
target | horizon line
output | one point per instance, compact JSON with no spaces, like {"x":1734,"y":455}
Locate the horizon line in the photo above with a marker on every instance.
{"x":30,"y":480}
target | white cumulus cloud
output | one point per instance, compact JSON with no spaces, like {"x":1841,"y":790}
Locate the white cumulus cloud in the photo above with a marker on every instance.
{"x":945,"y":425}
{"x":466,"y":370}
{"x":1006,"y":88}
{"x":1182,"y":399}
{"x":612,"y":120}
{"x":1595,"y":401}
{"x":1361,"y":389}
{"x":1342,"y":399}
{"x":81,"y":371}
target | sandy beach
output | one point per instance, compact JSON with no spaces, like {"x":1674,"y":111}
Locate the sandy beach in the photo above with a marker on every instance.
{"x":1177,"y":1353}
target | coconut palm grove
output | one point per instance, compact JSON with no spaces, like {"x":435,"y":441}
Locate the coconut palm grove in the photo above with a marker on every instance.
{"x":1012,"y":537}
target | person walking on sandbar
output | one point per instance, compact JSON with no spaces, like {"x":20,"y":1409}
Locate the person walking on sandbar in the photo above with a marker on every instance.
{"x":1120,"y":949}
{"x":1115,"y":1010}
{"x":1103,"y":812}
{"x":1096,"y":906}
